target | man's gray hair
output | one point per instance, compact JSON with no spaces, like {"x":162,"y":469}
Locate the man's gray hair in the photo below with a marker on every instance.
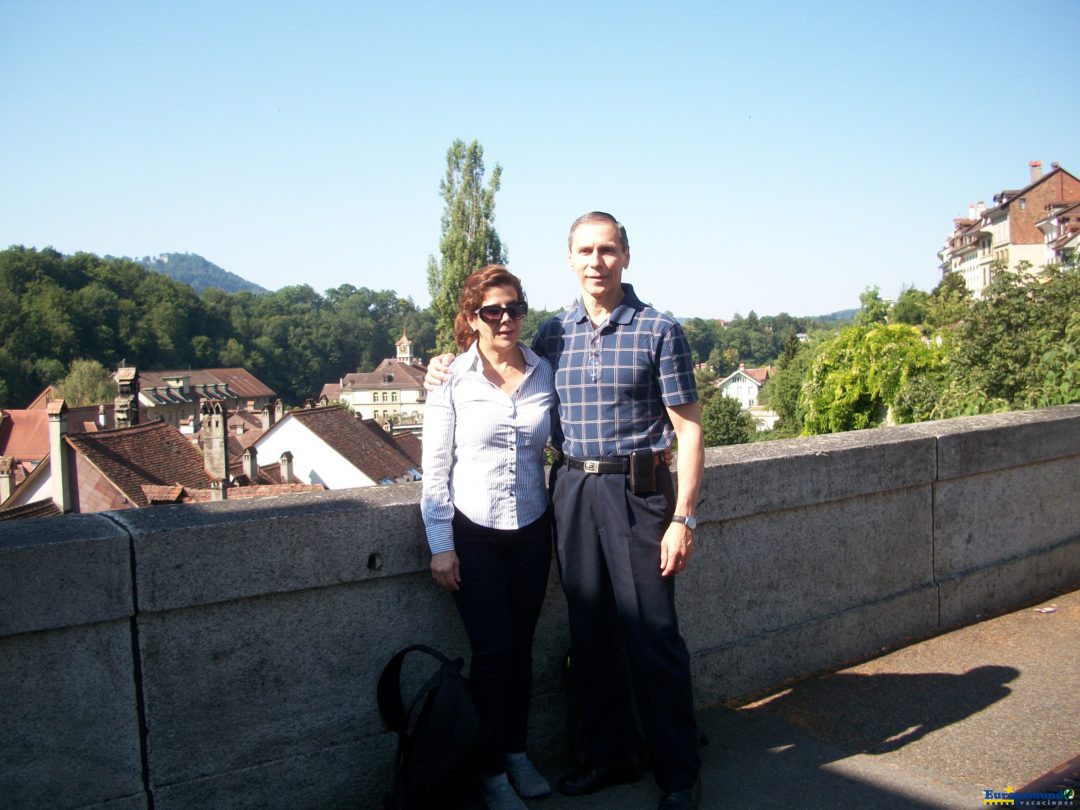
{"x":599,"y":216}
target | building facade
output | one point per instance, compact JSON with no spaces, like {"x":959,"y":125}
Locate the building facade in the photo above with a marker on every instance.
{"x":391,"y":394}
{"x":1013,"y":231}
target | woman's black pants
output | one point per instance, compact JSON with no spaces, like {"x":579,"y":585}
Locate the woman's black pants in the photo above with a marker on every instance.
{"x":503,"y":579}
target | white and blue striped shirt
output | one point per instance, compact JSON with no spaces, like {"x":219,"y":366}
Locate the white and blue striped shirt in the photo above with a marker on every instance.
{"x":484,"y":449}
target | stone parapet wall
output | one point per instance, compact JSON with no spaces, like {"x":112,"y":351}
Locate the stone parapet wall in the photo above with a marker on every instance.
{"x":226,"y":654}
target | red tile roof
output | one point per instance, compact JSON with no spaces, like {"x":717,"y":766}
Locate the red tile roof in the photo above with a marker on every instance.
{"x":411,"y":446}
{"x":240,"y":381}
{"x":155,"y":453}
{"x":47,"y":393}
{"x":247,"y":492}
{"x":24,"y":435}
{"x":370,"y":449}
{"x":45,"y":508}
{"x":390,"y":373}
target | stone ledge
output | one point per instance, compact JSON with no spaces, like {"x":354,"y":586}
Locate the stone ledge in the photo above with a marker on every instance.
{"x":204,"y":553}
{"x":63,"y":571}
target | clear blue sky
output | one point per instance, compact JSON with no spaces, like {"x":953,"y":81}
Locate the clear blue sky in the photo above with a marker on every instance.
{"x":763,"y":156}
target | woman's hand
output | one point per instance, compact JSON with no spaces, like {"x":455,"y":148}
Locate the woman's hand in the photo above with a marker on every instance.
{"x":445,"y":570}
{"x":438,"y":371}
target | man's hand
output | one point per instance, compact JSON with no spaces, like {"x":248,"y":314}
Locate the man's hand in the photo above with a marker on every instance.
{"x":438,"y":372}
{"x":676,"y":548}
{"x":445,"y":570}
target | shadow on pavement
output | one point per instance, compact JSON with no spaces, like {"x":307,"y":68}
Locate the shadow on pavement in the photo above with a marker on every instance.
{"x":877,"y":714}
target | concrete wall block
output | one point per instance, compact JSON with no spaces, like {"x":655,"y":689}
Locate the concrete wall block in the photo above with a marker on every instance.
{"x":61,"y":571}
{"x":979,"y":444}
{"x":782,"y":569}
{"x":68,"y":718}
{"x":235,"y":685}
{"x":977,"y":595}
{"x":198,"y":554}
{"x":756,"y":664}
{"x":354,"y":775}
{"x":750,"y":479}
{"x":991,"y":518}
{"x":138,"y":802}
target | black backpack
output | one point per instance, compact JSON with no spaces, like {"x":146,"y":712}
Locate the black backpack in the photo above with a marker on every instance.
{"x":437,"y":765}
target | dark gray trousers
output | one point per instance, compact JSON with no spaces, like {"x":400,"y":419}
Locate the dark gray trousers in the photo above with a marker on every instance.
{"x":608,"y":543}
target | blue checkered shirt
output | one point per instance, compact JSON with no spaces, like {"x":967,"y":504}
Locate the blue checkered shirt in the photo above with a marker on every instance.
{"x":614,"y":381}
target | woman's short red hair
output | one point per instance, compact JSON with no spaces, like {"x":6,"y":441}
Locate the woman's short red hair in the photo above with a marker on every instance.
{"x":473,"y":293}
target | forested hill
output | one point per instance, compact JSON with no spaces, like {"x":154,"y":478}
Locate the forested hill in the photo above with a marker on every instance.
{"x":195,"y":271}
{"x":55,"y":309}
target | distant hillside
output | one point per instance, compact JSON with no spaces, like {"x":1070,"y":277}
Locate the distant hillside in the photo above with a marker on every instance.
{"x":194,"y":270}
{"x":842,"y":316}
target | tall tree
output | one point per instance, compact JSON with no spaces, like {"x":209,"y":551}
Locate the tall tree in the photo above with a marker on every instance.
{"x":723,"y":422}
{"x":88,"y":383}
{"x":469,"y":239}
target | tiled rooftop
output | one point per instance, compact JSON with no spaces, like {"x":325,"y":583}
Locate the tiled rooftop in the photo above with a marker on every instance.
{"x":401,"y":375}
{"x":362,"y":442}
{"x":155,"y":453}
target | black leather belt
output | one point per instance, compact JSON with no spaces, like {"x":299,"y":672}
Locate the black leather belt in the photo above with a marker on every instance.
{"x":614,"y":464}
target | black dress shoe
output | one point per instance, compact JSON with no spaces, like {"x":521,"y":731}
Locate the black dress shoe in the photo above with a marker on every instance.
{"x":589,"y":780}
{"x":685,"y":799}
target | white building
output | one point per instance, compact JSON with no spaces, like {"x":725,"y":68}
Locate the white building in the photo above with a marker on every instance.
{"x":744,"y":385}
{"x":392,"y":393}
{"x":330,"y":446}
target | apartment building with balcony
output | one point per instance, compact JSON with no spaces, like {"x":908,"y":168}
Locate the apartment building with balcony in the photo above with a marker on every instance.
{"x":1014,"y":230}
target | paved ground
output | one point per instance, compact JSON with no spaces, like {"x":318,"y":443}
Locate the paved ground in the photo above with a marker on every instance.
{"x":932,"y":725}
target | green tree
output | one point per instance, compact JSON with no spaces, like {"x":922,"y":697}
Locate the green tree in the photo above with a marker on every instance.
{"x":469,"y":239}
{"x":857,"y":377}
{"x":781,"y":392}
{"x":87,"y":383}
{"x":701,"y":335}
{"x":724,"y":422}
{"x":872,"y":309}
{"x":911,"y":307}
{"x":1014,"y":347}
{"x":949,"y":301}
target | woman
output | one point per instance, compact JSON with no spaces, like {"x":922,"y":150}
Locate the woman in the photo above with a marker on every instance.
{"x":485,"y":509}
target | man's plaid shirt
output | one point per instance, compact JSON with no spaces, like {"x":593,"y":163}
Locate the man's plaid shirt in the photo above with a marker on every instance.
{"x":614,"y":382}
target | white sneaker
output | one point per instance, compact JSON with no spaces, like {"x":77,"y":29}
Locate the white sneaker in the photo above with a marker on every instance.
{"x":527,"y":781}
{"x":499,"y":795}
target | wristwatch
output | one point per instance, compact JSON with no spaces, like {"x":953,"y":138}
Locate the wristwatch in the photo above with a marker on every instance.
{"x":687,"y":520}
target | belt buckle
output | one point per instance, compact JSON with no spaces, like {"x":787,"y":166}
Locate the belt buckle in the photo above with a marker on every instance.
{"x":591,"y":466}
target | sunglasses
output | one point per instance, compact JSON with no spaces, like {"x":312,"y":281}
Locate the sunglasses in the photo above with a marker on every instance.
{"x":494,"y":314}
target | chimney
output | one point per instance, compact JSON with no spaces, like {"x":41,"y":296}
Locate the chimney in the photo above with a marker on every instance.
{"x":218,"y":491}
{"x":1054,"y":166}
{"x":980,"y":208}
{"x":126,"y":403}
{"x":251,"y":466}
{"x":286,"y":468}
{"x":214,"y":441}
{"x":279,"y":410}
{"x":1036,"y":170}
{"x":101,"y":418}
{"x":267,"y":416}
{"x":7,"y":466}
{"x":58,"y":462}
{"x":971,"y":211}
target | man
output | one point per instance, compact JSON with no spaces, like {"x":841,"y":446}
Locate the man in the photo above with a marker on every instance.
{"x":625,"y":383}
